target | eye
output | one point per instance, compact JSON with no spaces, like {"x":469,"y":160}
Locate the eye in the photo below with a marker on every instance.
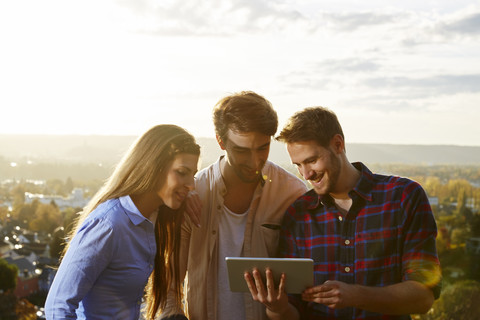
{"x":182,"y":172}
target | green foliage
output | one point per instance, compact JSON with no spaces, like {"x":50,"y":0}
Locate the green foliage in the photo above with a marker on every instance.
{"x":18,"y":195}
{"x":458,"y":301}
{"x":8,"y":276}
{"x":57,"y":243}
{"x":460,"y":235}
{"x":46,"y":218}
{"x":8,"y":303}
{"x":475,"y":225}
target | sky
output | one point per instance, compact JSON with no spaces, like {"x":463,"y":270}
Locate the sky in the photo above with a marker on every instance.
{"x":396,"y":72}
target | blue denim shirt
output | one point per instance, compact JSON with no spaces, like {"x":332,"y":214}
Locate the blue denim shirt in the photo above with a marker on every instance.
{"x":106,"y":268}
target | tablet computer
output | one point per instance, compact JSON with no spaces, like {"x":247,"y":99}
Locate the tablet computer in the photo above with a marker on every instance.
{"x":299,"y":272}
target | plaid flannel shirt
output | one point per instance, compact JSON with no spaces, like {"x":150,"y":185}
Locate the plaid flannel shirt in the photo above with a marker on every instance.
{"x":388,"y":236}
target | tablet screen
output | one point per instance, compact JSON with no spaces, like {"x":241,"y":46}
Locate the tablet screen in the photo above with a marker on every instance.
{"x":299,"y":272}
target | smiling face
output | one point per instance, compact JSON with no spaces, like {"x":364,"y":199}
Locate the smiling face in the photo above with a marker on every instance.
{"x":177,"y":180}
{"x":246,"y":154}
{"x":318,"y":165}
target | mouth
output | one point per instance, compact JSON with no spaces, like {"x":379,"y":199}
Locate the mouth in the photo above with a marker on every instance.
{"x":181,"y":196}
{"x":251,"y":172}
{"x":316,"y":181}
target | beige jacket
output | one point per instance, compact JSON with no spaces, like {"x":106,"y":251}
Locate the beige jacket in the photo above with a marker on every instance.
{"x":198,"y":256}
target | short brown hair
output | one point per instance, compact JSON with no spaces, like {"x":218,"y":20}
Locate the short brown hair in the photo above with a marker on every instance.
{"x":315,"y":123}
{"x":245,"y":111}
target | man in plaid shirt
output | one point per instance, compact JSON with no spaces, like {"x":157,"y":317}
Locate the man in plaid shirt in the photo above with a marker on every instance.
{"x":371,"y":236}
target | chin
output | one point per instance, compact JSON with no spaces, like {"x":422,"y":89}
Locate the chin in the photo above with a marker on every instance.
{"x":176,"y":206}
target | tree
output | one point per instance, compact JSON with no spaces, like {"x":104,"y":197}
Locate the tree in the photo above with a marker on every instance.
{"x":69,"y":185}
{"x":460,"y":235}
{"x":57,"y":244}
{"x":47,"y":218}
{"x":25,"y":212}
{"x":457,"y":301}
{"x":475,"y":225}
{"x":18,"y":195}
{"x":8,"y":276}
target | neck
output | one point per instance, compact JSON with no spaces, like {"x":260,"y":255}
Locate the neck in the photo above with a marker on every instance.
{"x":147,"y":203}
{"x":348,"y":179}
{"x":232,"y":179}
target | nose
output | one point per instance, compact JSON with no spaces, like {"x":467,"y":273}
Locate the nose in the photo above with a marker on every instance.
{"x":190,"y":184}
{"x":256,"y":160}
{"x":306,"y":172}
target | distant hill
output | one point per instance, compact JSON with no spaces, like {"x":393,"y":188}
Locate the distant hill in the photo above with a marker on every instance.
{"x":109,"y":149}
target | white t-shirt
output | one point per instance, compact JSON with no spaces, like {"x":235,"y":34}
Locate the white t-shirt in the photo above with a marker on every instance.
{"x":231,"y":233}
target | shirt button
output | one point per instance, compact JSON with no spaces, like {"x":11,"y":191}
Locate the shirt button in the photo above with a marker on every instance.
{"x":347,"y":269}
{"x":347,"y":242}
{"x":340,"y":218}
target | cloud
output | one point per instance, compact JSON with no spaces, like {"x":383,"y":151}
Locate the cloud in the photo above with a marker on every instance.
{"x":352,"y":21}
{"x":467,"y":25}
{"x":216,"y":17}
{"x":329,"y":73}
{"x":464,"y":25}
{"x":435,"y":85}
{"x":353,"y":65}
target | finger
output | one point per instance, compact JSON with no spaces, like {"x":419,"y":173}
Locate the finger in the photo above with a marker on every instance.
{"x":259,"y":282}
{"x":251,"y":285}
{"x":316,"y":289}
{"x":190,"y":211}
{"x":281,"y":286}
{"x":270,"y":283}
{"x":194,"y":207}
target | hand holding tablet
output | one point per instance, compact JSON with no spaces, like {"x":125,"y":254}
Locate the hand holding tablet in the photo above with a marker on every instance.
{"x":299,"y":272}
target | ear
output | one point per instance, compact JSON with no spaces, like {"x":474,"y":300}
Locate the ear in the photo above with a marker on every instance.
{"x":337,"y":144}
{"x":220,"y":142}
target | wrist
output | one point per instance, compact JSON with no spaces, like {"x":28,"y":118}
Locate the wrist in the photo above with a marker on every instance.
{"x":278,"y":310}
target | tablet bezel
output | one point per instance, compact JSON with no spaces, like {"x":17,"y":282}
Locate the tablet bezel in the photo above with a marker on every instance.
{"x":298,"y":271}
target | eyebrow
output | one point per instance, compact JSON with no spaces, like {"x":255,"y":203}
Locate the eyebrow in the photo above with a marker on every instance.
{"x":305,"y":160}
{"x":236,"y":146}
{"x":188,"y":168}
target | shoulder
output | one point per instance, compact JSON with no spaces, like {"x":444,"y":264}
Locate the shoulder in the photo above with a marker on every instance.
{"x":405,"y":191}
{"x":307,"y":202}
{"x":108,"y":214}
{"x":207,"y":178}
{"x":392,"y":182}
{"x":274,"y":171}
{"x":205,"y":173}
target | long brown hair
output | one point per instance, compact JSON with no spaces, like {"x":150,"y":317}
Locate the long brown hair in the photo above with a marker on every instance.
{"x":138,"y":173}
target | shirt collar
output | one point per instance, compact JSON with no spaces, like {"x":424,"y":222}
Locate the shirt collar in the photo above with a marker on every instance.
{"x":131,"y":210}
{"x":366,"y":183}
{"x":363,"y":188}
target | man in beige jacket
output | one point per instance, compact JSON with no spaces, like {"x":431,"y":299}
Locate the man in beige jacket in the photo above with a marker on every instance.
{"x":244,"y":197}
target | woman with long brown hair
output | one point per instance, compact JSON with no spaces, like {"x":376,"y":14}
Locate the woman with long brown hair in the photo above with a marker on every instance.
{"x":129,"y":232}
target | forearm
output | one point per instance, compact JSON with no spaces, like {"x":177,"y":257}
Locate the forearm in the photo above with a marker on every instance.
{"x":289,"y":313}
{"x":409,"y":297}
